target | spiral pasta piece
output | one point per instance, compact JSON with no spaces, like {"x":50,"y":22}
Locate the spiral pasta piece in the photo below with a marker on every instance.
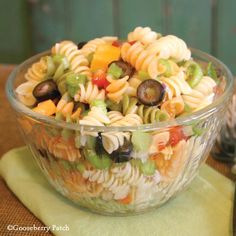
{"x":152,"y":114}
{"x":176,"y":85}
{"x":24,"y":92}
{"x":113,"y":140}
{"x":38,"y":71}
{"x":141,"y":186}
{"x":63,"y":149}
{"x":61,"y":81}
{"x":117,"y":88}
{"x":92,"y":45}
{"x":173,"y":107}
{"x":57,"y":146}
{"x":128,"y":120}
{"x":88,"y":93}
{"x":129,"y":105}
{"x":118,"y":188}
{"x":143,"y":34}
{"x":114,"y":116}
{"x":170,"y":163}
{"x":170,"y":46}
{"x":95,"y":117}
{"x":134,"y":82}
{"x":66,"y":107}
{"x":122,"y":180}
{"x":202,"y":95}
{"x":159,"y":140}
{"x":140,"y":59}
{"x":78,"y":62}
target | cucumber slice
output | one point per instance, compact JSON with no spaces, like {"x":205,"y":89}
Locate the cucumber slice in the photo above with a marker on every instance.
{"x":99,"y":103}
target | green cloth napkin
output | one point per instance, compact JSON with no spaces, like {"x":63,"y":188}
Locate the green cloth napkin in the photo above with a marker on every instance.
{"x":205,"y":208}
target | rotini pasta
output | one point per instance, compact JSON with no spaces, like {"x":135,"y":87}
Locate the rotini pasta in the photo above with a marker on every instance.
{"x":128,"y":120}
{"x":121,"y":180}
{"x":173,"y":107}
{"x":88,"y":93}
{"x":176,"y":85}
{"x":114,"y":116}
{"x":147,"y":114}
{"x":152,"y":114}
{"x":61,"y":81}
{"x":24,"y":92}
{"x":170,"y":46}
{"x":92,"y":45}
{"x":134,"y":82}
{"x":95,"y":117}
{"x":129,"y":105}
{"x":140,"y":58}
{"x":159,"y":140}
{"x":202,"y":95}
{"x":57,"y":146}
{"x":143,"y":34}
{"x":66,"y":107}
{"x":117,"y":88}
{"x":113,"y":140}
{"x":62,"y":149}
{"x":169,"y":167}
{"x":38,"y":71}
{"x":78,"y":62}
{"x":118,"y":188}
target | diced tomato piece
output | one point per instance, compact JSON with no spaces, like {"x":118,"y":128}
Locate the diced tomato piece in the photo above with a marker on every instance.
{"x":116,"y":43}
{"x":132,"y":42}
{"x":126,"y":200}
{"x":161,"y":146}
{"x":99,"y":78}
{"x":176,"y":135}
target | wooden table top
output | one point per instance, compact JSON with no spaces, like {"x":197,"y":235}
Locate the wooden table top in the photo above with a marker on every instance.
{"x":11,"y":209}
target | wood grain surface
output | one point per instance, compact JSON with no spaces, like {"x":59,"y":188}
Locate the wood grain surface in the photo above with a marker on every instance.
{"x":11,"y":210}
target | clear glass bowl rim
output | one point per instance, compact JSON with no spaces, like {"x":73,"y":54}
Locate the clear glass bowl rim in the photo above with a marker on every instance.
{"x":184,"y":120}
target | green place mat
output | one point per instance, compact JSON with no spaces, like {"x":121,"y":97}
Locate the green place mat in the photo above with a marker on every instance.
{"x":205,"y":209}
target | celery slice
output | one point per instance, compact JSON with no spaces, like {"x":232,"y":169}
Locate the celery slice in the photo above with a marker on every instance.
{"x":115,"y":71}
{"x":99,"y":103}
{"x":141,"y":141}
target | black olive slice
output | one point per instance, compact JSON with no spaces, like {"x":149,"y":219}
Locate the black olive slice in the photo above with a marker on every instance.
{"x":81,"y":44}
{"x":150,"y":92}
{"x":123,"y":154}
{"x":126,"y":68}
{"x":99,"y":145}
{"x":46,"y":90}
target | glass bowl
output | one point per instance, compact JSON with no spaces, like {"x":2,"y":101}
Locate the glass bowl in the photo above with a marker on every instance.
{"x":125,"y":182}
